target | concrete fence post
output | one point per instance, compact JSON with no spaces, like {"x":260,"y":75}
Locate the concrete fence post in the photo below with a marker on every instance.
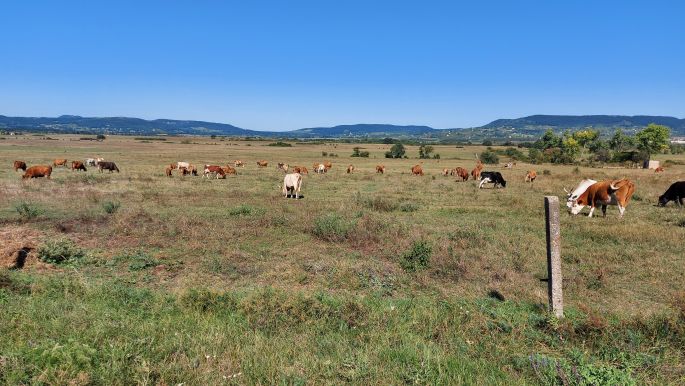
{"x":554,"y":280}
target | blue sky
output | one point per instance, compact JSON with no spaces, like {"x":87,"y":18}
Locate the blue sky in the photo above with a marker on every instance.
{"x":284,"y":65}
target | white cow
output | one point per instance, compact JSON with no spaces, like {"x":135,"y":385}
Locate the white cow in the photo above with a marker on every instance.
{"x":320,"y":169}
{"x":292,"y":184}
{"x":180,"y":164}
{"x":91,"y":162}
{"x":573,"y":195}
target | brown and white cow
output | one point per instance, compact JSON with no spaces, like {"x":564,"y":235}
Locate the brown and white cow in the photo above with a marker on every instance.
{"x":328,"y":165}
{"x":531,"y":176}
{"x":282,"y":166}
{"x":461,"y":172}
{"x":446,"y":172}
{"x":380,"y":169}
{"x":350,"y":169}
{"x":60,"y":162}
{"x":78,"y":165}
{"x":238,"y":163}
{"x":292,"y":183}
{"x":608,"y":192}
{"x":214,"y":169}
{"x":262,"y":164}
{"x":417,"y":170}
{"x":19,"y":165}
{"x":38,"y":171}
{"x":320,"y":168}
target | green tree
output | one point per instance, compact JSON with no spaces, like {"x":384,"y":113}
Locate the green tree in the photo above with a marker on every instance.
{"x":489,"y":157}
{"x":487,"y":142}
{"x":620,"y":141}
{"x":396,"y":151}
{"x":388,"y":140}
{"x":425,"y":151}
{"x":100,"y":137}
{"x":652,"y":139}
{"x":548,"y":140}
{"x":585,"y":137}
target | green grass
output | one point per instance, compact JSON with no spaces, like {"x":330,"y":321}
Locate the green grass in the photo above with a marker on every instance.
{"x":192,"y":279}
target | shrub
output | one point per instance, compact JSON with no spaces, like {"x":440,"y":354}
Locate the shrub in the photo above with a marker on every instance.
{"x":280,"y":144}
{"x":489,"y":157}
{"x":332,"y":227}
{"x":243,"y":210}
{"x":408,"y":207}
{"x":60,"y":251}
{"x":356,"y":152}
{"x":547,"y":172}
{"x":111,"y":207}
{"x":396,"y":151}
{"x":418,"y":257}
{"x":27,"y":210}
{"x":379,"y":203}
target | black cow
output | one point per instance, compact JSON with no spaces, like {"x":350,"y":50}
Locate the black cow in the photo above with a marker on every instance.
{"x":494,"y":177}
{"x":106,"y":165}
{"x":675,"y":192}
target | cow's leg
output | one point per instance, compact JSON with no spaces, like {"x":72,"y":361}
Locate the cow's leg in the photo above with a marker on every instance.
{"x":604,"y":210}
{"x":621,"y":210}
{"x":484,"y":180}
{"x":592,"y":210}
{"x":680,"y":201}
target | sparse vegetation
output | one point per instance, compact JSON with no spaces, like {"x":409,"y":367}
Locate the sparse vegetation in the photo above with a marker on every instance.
{"x":280,"y":144}
{"x":418,"y":257}
{"x":60,"y":251}
{"x":111,"y":207}
{"x":27,"y":210}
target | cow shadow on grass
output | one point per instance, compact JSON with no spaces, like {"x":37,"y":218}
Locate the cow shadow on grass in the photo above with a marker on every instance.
{"x":293,"y":196}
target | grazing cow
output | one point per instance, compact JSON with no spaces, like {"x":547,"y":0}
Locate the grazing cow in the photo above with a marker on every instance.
{"x":531,"y":176}
{"x":380,"y":169}
{"x":676,"y":192}
{"x":183,"y":171}
{"x":608,"y":192}
{"x":660,"y":169}
{"x":320,"y":168}
{"x":216,"y":170}
{"x":262,"y":164}
{"x":283,"y":167}
{"x":417,"y":170}
{"x":300,"y":169}
{"x":446,"y":172}
{"x":90,"y":162}
{"x":508,"y":165}
{"x":78,"y":165}
{"x":38,"y":171}
{"x":173,"y":166}
{"x":328,"y":165}
{"x":60,"y":162}
{"x":192,"y":169}
{"x":19,"y":165}
{"x":238,"y":163}
{"x":475,"y":173}
{"x":107,"y":165}
{"x":292,"y":183}
{"x":494,"y":177}
{"x":461,"y":172}
{"x":181,"y":164}
{"x":228,"y":169}
{"x":168,"y":170}
{"x":350,"y":169}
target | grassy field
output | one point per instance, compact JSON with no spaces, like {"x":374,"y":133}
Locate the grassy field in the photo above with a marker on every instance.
{"x":369,"y":279}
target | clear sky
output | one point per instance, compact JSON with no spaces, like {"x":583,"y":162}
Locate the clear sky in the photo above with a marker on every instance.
{"x":280,"y":65}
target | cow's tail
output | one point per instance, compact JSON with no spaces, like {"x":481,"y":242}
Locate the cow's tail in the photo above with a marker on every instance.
{"x":617,"y":184}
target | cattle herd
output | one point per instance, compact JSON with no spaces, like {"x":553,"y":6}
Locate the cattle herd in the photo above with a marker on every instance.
{"x":588,"y":192}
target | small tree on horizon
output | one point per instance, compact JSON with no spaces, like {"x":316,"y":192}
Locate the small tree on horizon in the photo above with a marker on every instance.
{"x":396,"y":151}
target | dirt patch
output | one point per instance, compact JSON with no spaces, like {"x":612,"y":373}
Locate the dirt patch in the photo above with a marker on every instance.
{"x":19,"y":248}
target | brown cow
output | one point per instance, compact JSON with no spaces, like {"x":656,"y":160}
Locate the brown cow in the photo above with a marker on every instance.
{"x":328,"y":165}
{"x":78,"y":165}
{"x":19,"y":165}
{"x":192,"y":169}
{"x":380,"y":169}
{"x":168,"y":170}
{"x":282,"y":166}
{"x":60,"y":162}
{"x":531,"y":176}
{"x":445,"y":172}
{"x":238,"y":163}
{"x":262,"y":164}
{"x":38,"y":171}
{"x":417,"y":170}
{"x":107,"y":165}
{"x":659,"y":169}
{"x":461,"y":172}
{"x":350,"y":169}
{"x":608,"y":192}
{"x":173,"y":166}
{"x":475,"y":173}
{"x":300,"y":169}
{"x":217,"y":170}
{"x":228,"y":169}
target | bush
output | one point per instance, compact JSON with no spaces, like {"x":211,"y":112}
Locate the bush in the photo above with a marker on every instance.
{"x":111,"y":207}
{"x":356,"y":152}
{"x":418,"y":257}
{"x":546,"y":172}
{"x":27,"y":210}
{"x":332,"y":227}
{"x":380,"y":204}
{"x":489,"y":157}
{"x":60,"y":251}
{"x":280,"y":144}
{"x":396,"y":151}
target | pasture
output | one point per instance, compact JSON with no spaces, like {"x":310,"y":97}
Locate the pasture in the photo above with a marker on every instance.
{"x":370,"y":278}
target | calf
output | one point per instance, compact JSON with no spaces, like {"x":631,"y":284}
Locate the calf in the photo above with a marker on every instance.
{"x":676,"y":192}
{"x":38,"y":171}
{"x":320,"y":168}
{"x":380,"y":169}
{"x":494,"y":177}
{"x":350,"y":169}
{"x":660,"y":169}
{"x":214,"y":169}
{"x":78,"y":165}
{"x":168,"y":170}
{"x":19,"y":165}
{"x":107,"y":165}
{"x":238,"y":163}
{"x":292,"y":183}
{"x":60,"y":162}
{"x":417,"y":170}
{"x":531,"y":176}
{"x":609,"y":192}
{"x":462,"y":173}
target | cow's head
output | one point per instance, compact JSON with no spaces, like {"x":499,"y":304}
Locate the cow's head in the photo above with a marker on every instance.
{"x":663,"y":200}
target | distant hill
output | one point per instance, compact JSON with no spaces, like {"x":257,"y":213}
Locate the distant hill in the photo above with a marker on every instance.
{"x":526,"y":128}
{"x":120,"y":125}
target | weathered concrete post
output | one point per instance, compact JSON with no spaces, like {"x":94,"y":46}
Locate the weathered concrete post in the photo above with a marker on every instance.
{"x":556,"y":299}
